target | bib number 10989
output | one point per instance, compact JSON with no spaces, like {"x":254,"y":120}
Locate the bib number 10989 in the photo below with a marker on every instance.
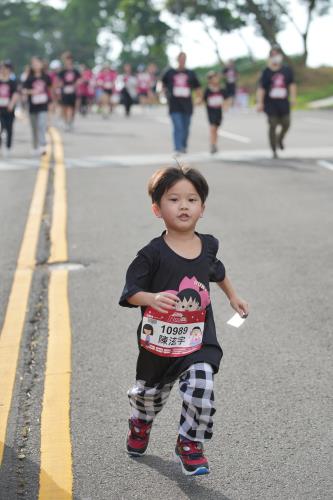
{"x":174,"y":330}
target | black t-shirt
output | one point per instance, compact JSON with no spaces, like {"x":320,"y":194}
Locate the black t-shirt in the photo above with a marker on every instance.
{"x":39,"y":100}
{"x":230,"y":75}
{"x":7,"y":89}
{"x":158,"y":268}
{"x":179,"y":85}
{"x":214,"y":98}
{"x":276,"y":85}
{"x":68,"y":78}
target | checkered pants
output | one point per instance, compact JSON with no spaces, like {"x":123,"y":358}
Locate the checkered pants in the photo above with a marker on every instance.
{"x":196,"y":391}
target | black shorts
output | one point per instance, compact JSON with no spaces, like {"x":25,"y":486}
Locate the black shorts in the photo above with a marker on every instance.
{"x":230,"y":89}
{"x":68,"y":100}
{"x":214,"y":116}
{"x":107,"y":91}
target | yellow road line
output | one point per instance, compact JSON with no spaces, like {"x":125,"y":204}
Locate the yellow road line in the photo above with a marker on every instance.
{"x":13,"y":325}
{"x":56,"y":480}
{"x":58,"y":252}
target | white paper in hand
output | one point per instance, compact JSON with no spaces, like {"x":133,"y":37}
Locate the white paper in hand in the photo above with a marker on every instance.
{"x":236,"y":321}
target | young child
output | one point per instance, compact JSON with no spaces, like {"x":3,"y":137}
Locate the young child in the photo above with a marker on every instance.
{"x":214,"y":98}
{"x":169,"y":279}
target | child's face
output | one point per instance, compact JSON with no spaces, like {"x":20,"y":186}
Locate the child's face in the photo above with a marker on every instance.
{"x":215,"y":80}
{"x":180,"y":207}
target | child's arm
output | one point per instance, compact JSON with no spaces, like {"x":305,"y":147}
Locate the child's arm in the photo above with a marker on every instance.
{"x":237,"y":303}
{"x":162,"y":302}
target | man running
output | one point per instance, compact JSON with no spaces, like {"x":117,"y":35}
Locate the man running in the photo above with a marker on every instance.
{"x":275,"y":95}
{"x":178,"y":84}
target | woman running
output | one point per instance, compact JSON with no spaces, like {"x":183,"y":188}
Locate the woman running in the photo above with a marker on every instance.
{"x":37,"y":87}
{"x":106,"y":82}
{"x":129,"y":89}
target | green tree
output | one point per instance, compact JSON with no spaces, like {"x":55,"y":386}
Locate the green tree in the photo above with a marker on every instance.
{"x":213,"y":14}
{"x":270,"y":16}
{"x":144,"y":36}
{"x":28,"y":29}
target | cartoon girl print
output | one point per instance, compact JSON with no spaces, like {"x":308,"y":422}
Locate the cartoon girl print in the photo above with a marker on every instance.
{"x":148,"y":331}
{"x":193,"y":295}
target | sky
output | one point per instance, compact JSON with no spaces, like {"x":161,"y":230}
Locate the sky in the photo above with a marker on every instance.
{"x":200,"y":50}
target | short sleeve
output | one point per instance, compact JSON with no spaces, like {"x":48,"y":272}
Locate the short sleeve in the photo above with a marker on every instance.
{"x":216,"y":267}
{"x":138,"y":276}
{"x":27,"y":84}
{"x":290,"y":76}
{"x":264,"y":80}
{"x":166,"y":77}
{"x":195,"y":84}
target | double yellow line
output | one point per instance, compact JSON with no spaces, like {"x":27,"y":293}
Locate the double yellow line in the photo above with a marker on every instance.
{"x":56,"y":452}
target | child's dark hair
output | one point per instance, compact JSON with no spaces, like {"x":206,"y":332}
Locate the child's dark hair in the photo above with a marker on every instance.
{"x":162,"y":180}
{"x":188,"y":294}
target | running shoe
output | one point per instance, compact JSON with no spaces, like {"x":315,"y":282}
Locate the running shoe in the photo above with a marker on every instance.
{"x":213,"y":149}
{"x":138,"y":437}
{"x":191,"y":457}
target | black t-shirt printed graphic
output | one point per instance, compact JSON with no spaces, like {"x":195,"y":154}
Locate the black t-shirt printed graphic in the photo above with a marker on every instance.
{"x":40,"y":85}
{"x":179,"y":86}
{"x":158,"y":268}
{"x":276,"y":86}
{"x":68,"y":78}
{"x":230,"y":75}
{"x":7,"y":89}
{"x":214,"y":98}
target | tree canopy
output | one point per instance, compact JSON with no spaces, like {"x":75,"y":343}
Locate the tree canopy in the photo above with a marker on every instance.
{"x":35,"y":27}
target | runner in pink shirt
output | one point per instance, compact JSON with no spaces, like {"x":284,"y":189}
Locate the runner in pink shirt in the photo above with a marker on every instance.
{"x":106,"y":82}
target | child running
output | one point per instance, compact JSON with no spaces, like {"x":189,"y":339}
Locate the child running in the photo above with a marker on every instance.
{"x":169,"y":279}
{"x":214,"y":98}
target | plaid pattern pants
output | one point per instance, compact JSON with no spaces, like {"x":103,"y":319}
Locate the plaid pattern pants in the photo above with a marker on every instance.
{"x":196,"y":391}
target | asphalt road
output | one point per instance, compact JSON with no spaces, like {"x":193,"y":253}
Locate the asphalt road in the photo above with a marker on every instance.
{"x":273,"y":429}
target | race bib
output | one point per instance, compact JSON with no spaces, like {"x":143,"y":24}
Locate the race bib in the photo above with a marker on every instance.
{"x":181,"y":91}
{"x":108,"y":85}
{"x":215,"y":101}
{"x":172,"y":334}
{"x":278,"y":93}
{"x":39,"y":99}
{"x":4,"y":101}
{"x":69,"y":89}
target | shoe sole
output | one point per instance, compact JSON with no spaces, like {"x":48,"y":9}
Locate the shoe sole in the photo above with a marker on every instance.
{"x":200,"y":471}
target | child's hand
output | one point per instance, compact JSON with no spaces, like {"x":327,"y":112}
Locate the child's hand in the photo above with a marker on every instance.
{"x":164,"y":302}
{"x":240,"y":306}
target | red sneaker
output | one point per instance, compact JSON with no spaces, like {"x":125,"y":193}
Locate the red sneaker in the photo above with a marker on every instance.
{"x":138,"y":437}
{"x":191,"y":458}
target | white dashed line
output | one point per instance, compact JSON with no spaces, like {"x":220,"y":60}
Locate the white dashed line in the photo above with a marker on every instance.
{"x":325,"y":164}
{"x":234,"y":137}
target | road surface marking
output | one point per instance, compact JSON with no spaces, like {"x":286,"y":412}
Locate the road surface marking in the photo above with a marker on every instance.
{"x":234,"y":137}
{"x":58,"y":252}
{"x":325,"y":164}
{"x":13,"y":325}
{"x":319,"y":120}
{"x":56,"y":480}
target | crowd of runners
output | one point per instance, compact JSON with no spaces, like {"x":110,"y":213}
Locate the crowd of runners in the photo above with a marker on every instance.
{"x":62,"y":88}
